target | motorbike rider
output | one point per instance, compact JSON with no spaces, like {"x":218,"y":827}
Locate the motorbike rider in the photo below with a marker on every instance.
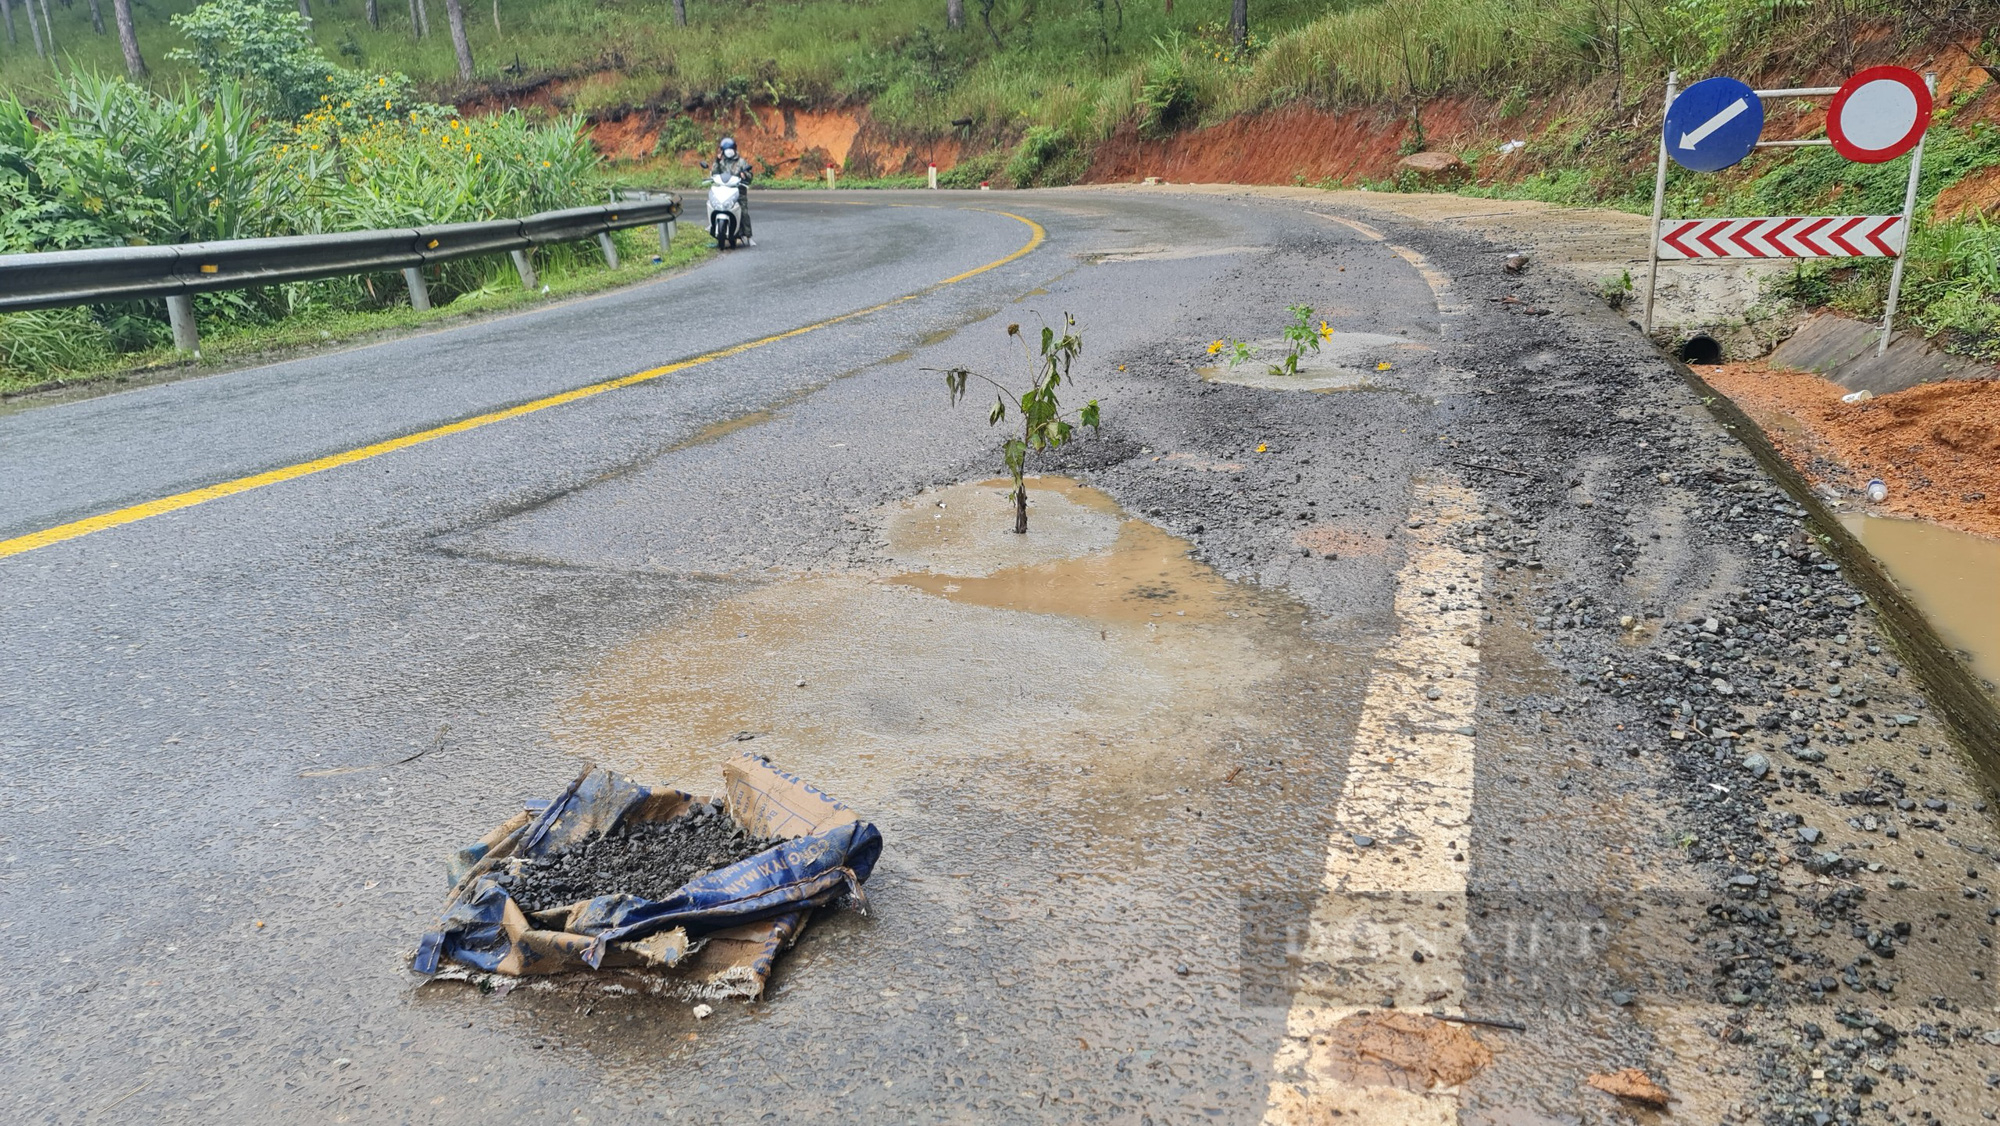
{"x":730,"y":163}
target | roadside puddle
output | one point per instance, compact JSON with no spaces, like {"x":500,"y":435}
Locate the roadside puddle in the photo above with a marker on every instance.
{"x":1952,"y":576}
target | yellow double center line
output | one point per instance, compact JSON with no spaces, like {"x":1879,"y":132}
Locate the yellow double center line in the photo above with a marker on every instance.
{"x":151,"y":508}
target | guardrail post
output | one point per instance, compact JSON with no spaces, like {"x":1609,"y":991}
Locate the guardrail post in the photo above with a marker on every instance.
{"x":610,"y":251}
{"x":666,"y":236}
{"x":420,"y":294}
{"x":180,"y":314}
{"x":524,"y":267}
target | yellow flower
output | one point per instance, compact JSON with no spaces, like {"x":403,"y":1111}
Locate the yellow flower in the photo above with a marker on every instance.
{"x":1261,"y":447}
{"x":1325,"y":333}
{"x":1383,"y":366}
{"x":1215,"y":347}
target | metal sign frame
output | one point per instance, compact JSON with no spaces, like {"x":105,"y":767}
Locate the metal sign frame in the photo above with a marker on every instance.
{"x":1909,"y":196}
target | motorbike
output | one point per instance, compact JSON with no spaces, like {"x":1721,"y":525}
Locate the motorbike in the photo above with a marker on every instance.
{"x":725,"y":210}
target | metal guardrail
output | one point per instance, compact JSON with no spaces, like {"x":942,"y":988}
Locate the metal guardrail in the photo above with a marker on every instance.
{"x":178,"y":272}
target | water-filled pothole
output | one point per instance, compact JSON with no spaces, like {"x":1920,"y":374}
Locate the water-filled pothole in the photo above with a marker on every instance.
{"x":1094,"y":642}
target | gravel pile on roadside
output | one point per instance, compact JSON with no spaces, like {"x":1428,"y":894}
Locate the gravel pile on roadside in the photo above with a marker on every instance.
{"x":649,"y":859}
{"x":1703,"y":763}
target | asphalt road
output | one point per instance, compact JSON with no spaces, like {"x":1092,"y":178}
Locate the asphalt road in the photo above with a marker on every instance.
{"x":1125,"y":782}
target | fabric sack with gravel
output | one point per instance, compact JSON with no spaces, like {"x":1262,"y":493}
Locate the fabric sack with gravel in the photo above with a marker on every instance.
{"x":614,"y":875}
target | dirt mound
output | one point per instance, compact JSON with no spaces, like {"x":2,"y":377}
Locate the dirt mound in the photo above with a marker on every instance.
{"x":1936,"y":446}
{"x":649,"y":859}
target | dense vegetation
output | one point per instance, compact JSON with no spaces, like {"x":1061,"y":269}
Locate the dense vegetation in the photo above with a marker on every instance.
{"x":266,"y":137}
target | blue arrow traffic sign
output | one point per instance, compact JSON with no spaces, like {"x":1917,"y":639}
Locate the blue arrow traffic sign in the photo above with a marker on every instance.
{"x":1713,"y":124}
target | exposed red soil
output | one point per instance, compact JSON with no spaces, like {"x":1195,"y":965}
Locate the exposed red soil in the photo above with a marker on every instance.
{"x":1977,"y":194}
{"x":540,"y":94}
{"x":792,"y":140}
{"x":1297,"y":144}
{"x":1936,"y":446}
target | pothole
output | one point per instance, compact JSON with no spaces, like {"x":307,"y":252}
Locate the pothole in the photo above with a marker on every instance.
{"x":1164,"y":253}
{"x":1346,"y":361}
{"x":1094,"y":645}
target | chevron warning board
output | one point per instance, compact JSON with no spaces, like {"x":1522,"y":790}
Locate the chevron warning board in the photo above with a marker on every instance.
{"x":1803,"y":236}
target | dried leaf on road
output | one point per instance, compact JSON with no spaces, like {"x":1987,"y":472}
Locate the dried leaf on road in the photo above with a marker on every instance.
{"x":1631,"y":1083}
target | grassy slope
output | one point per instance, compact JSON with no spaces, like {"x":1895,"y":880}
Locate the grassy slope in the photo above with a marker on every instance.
{"x":1080,"y":71}
{"x":891,"y":53}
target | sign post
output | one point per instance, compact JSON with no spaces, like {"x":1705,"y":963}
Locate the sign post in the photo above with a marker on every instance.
{"x":1876,"y":116}
{"x":1659,"y":203}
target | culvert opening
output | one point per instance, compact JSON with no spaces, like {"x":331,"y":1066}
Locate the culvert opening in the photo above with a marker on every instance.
{"x":1701,"y":349}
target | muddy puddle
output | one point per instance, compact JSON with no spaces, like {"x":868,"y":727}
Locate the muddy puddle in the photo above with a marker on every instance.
{"x":1953,"y":577}
{"x":1345,"y":361}
{"x":1093,"y":631}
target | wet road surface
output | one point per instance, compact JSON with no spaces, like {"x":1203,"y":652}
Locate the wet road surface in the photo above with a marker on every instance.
{"x":1405,"y":684}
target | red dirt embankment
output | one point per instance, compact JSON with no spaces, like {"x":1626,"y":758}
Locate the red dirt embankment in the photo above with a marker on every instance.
{"x":792,"y":140}
{"x":1294,"y":145}
{"x":1936,"y":446}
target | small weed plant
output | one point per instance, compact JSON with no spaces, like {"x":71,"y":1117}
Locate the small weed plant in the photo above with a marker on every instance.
{"x":1044,"y":423}
{"x":1300,"y":336}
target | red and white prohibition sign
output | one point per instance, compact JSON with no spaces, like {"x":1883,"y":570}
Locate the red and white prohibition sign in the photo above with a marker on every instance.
{"x":1801,"y":236}
{"x":1879,"y":114}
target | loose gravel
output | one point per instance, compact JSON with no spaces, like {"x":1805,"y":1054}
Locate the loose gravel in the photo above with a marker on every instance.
{"x":649,"y":859}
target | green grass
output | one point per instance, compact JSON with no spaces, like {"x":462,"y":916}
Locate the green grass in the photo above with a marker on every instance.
{"x":894,"y":54}
{"x":229,"y":345}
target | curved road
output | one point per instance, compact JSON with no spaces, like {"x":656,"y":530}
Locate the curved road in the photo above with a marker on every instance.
{"x":1164,"y":831}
